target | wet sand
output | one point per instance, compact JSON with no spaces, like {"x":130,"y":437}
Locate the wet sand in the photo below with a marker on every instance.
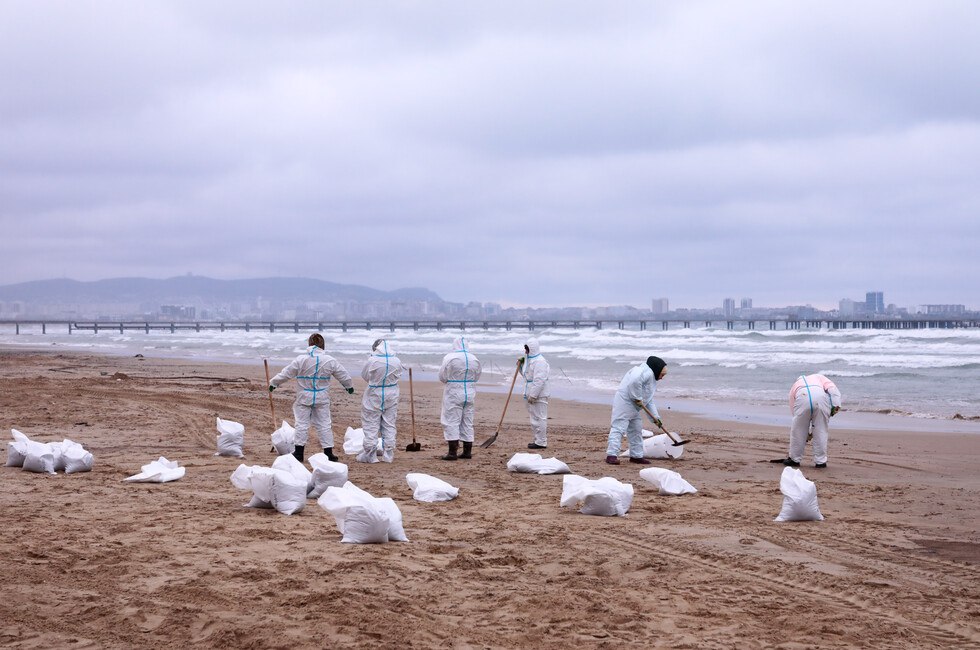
{"x":89,"y":561}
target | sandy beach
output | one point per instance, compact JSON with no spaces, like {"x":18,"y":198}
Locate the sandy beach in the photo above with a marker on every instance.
{"x":89,"y":561}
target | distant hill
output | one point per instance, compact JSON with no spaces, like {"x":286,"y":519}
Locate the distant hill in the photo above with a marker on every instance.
{"x":189,"y":288}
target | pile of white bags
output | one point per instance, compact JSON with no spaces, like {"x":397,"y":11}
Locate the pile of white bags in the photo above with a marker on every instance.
{"x":362,"y":518}
{"x":535,"y":464}
{"x":354,"y":442}
{"x":271,"y":488}
{"x":605,"y":496}
{"x":231,"y":438}
{"x":667,"y":481}
{"x":799,"y":497}
{"x":47,"y":457}
{"x":284,"y":439}
{"x":288,"y":463}
{"x":326,"y":473}
{"x":430,"y":489}
{"x":159,"y":471}
{"x":661,"y":446}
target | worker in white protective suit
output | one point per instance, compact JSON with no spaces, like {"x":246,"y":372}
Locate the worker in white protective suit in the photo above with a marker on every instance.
{"x":813,"y":400}
{"x":312,"y":371}
{"x":535,"y":370}
{"x":460,"y":371}
{"x":635,"y":391}
{"x":379,"y":408}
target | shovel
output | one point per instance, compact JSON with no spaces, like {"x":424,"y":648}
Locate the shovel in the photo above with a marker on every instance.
{"x":677,"y":443}
{"x":492,"y":439}
{"x":414,"y":445}
{"x":272,"y":405}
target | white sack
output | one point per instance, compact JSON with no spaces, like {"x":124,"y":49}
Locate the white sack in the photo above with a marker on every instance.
{"x":354,"y":442}
{"x":284,"y":439}
{"x":326,"y":473}
{"x":799,"y":497}
{"x":605,"y":496}
{"x":535,"y":464}
{"x":648,"y":434}
{"x":288,"y":463}
{"x":158,"y":471}
{"x":272,"y":488}
{"x":661,"y":446}
{"x":361,"y":518}
{"x":75,"y":458}
{"x":231,"y":438}
{"x":667,"y":481}
{"x":430,"y":489}
{"x":40,"y":457}
{"x":17,"y":449}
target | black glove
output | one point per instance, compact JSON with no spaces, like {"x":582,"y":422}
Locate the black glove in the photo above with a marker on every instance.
{"x":350,"y":391}
{"x":271,"y":388}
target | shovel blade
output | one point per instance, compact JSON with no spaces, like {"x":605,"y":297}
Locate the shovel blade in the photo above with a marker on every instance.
{"x":680,"y":442}
{"x":414,"y":446}
{"x":492,"y":439}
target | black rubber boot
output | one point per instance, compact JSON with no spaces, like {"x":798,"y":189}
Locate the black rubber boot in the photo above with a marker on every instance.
{"x":298,"y":452}
{"x":453,"y":448}
{"x":467,"y":450}
{"x":329,"y":452}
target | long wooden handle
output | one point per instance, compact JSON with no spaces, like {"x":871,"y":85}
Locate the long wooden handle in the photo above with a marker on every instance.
{"x":509,"y":393}
{"x":654,"y":418}
{"x":411,"y":400}
{"x":268,"y":382}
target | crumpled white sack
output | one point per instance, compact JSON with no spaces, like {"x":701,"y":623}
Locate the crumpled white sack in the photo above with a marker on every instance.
{"x":648,"y":434}
{"x":231,"y":438}
{"x":158,"y":471}
{"x":284,"y":439}
{"x":288,"y":463}
{"x":74,"y":457}
{"x":667,"y":481}
{"x":326,"y":473}
{"x":604,"y":497}
{"x":430,"y":489}
{"x":799,"y":497}
{"x":354,"y":442}
{"x":362,"y":518}
{"x":535,"y":464}
{"x":17,"y":449}
{"x":661,"y":446}
{"x":40,"y":457}
{"x":271,"y":488}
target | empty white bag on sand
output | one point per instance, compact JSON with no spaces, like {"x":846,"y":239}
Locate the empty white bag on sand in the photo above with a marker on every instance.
{"x":799,"y":497}
{"x":535,"y":464}
{"x":362,"y":518}
{"x":326,"y":473}
{"x":288,"y":463}
{"x":159,"y":471}
{"x":430,"y":489}
{"x":284,"y":439}
{"x":604,"y":497}
{"x":661,"y":446}
{"x":231,"y":438}
{"x":17,"y":449}
{"x":74,"y":458}
{"x":271,"y":488}
{"x":667,"y":481}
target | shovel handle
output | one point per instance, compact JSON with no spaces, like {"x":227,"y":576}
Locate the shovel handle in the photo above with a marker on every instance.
{"x":268,"y":382}
{"x":509,"y":393}
{"x":411,"y":401}
{"x":654,"y":419}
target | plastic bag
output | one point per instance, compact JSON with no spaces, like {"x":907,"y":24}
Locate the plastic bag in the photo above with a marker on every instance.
{"x":158,"y":471}
{"x":271,"y":488}
{"x":362,"y":518}
{"x":605,"y":497}
{"x":799,"y":497}
{"x":231,"y":438}
{"x":326,"y":473}
{"x":535,"y":464}
{"x":40,"y":457}
{"x":667,"y":481}
{"x":17,"y":449}
{"x":284,"y":439}
{"x":74,"y":458}
{"x":288,"y":463}
{"x":430,"y":489}
{"x":354,"y":442}
{"x":661,"y":446}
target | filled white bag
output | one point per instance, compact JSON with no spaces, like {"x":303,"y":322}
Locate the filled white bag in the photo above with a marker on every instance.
{"x":158,"y":471}
{"x":326,"y":473}
{"x":430,"y":489}
{"x":354,"y":442}
{"x":605,"y":497}
{"x":284,"y":439}
{"x":362,"y":518}
{"x":231,"y":438}
{"x":40,"y":457}
{"x":799,"y":497}
{"x":271,"y":488}
{"x":667,"y":481}
{"x":661,"y":446}
{"x":648,"y":434}
{"x":288,"y":463}
{"x":74,"y":458}
{"x":535,"y":464}
{"x":17,"y":449}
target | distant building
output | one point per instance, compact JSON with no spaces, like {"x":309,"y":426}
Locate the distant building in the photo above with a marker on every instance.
{"x":941,"y":310}
{"x":177,"y":312}
{"x":659,"y":306}
{"x":874,"y":302}
{"x":729,"y":307}
{"x":746,"y":303}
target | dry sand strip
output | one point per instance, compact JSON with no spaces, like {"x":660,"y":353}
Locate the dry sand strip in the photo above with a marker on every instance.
{"x":91,"y":562}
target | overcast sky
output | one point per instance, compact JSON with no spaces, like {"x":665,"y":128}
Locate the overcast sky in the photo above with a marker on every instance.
{"x":529,"y":153}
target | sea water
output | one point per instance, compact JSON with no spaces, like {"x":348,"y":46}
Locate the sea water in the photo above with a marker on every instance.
{"x":932,"y":374}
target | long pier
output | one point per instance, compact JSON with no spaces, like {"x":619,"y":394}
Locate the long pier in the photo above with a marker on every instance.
{"x":508,"y":325}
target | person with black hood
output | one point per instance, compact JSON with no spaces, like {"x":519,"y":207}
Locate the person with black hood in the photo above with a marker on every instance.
{"x":635,"y":391}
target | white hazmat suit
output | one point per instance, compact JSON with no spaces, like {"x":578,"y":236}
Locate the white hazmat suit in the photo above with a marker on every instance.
{"x":379,"y":408}
{"x":460,"y":371}
{"x":811,"y":400}
{"x":312,"y":372}
{"x":536,"y":372}
{"x":638,"y":384}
